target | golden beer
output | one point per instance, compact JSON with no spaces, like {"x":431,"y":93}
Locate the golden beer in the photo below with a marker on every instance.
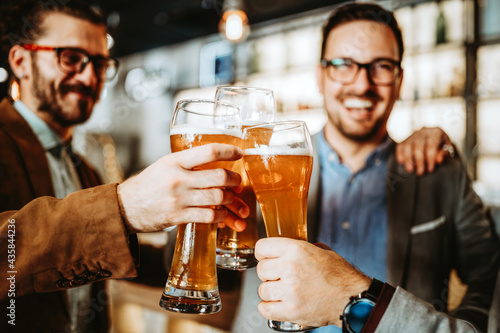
{"x":193,"y":265}
{"x":281,"y":183}
{"x":192,"y":282}
{"x":235,"y":250}
{"x":278,"y":159}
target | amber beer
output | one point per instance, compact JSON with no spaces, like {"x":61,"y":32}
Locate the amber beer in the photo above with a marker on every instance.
{"x":280,"y":179}
{"x":193,"y":265}
{"x":278,"y":159}
{"x":235,"y":250}
{"x":243,"y":242}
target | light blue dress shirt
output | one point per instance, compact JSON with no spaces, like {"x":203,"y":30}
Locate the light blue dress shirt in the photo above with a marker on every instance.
{"x":353,"y":211}
{"x":64,"y":176}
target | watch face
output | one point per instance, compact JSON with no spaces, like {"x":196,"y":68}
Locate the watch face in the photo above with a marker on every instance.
{"x":356,"y":315}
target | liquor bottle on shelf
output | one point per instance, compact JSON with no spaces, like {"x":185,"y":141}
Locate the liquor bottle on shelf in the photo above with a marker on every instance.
{"x":440,"y":27}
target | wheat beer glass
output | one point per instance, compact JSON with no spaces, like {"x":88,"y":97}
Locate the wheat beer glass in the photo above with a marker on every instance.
{"x":235,"y":250}
{"x":278,"y":160}
{"x":192,"y":282}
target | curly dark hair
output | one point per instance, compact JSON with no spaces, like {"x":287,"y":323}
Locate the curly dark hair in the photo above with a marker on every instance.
{"x":362,"y":11}
{"x":21,"y":22}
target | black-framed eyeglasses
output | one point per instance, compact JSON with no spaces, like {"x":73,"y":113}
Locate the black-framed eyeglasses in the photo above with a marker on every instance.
{"x":381,"y":71}
{"x":73,"y":60}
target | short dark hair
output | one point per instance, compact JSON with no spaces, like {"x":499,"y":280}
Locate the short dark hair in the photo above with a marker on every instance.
{"x":21,"y":22}
{"x":362,"y":11}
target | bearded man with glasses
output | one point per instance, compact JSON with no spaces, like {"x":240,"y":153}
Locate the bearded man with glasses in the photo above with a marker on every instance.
{"x":61,"y":235}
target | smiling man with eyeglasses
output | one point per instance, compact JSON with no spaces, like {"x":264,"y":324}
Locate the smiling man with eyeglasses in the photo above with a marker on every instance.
{"x":61,"y":234}
{"x":404,"y":232}
{"x":60,"y":63}
{"x":62,"y":72}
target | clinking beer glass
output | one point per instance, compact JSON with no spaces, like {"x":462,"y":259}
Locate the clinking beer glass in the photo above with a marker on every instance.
{"x":192,"y":282}
{"x":235,"y":250}
{"x":278,"y":159}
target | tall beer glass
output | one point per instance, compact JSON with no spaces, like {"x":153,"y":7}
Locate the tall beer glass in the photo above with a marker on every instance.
{"x":192,"y":282}
{"x":278,"y":159}
{"x":235,"y":250}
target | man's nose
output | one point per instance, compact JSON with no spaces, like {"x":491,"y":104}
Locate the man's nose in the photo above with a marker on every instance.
{"x":87,"y":76}
{"x":362,"y":81}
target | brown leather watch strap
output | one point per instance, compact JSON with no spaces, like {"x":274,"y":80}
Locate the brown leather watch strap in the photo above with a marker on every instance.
{"x":379,"y":309}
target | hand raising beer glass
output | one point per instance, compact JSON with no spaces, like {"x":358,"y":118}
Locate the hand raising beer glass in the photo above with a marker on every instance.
{"x":278,"y":159}
{"x":235,"y":250}
{"x":192,"y":282}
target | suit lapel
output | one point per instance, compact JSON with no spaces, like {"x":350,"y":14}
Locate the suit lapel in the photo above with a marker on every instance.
{"x":31,"y":151}
{"x":401,"y":195}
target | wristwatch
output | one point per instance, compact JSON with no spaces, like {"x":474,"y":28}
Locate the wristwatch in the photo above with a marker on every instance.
{"x":359,"y":308}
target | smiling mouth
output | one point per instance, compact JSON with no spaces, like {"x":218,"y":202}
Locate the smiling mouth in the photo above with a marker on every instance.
{"x":359,"y":104}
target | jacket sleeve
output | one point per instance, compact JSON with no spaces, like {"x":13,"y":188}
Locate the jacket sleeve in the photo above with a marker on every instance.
{"x":407,"y":313}
{"x":477,"y":253}
{"x":54,"y":244}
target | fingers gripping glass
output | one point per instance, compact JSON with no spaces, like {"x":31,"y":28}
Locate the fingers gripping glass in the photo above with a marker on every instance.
{"x":74,"y":60}
{"x":381,"y":72}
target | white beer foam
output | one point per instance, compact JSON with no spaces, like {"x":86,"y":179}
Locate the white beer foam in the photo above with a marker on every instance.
{"x":278,"y":151}
{"x":189,"y":130}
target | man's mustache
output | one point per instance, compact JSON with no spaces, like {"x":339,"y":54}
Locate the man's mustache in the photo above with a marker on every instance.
{"x":78,"y":88}
{"x":369,"y":94}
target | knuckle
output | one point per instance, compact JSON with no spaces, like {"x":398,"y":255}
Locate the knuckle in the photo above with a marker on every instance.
{"x":208,"y":216}
{"x":173,"y":201}
{"x":217,"y":196}
{"x":213,"y":152}
{"x":222,"y":176}
{"x":259,"y":269}
{"x":175,"y":183}
{"x":264,"y":310}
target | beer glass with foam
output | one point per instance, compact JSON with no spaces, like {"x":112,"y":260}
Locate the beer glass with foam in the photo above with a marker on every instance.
{"x":278,"y":159}
{"x":235,"y":250}
{"x":192,"y":282}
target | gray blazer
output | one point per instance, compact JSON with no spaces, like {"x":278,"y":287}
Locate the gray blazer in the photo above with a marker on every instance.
{"x":436,"y":223}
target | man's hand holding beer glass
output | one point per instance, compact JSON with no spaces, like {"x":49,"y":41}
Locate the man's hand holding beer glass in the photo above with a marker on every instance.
{"x":172,"y":185}
{"x":304,"y":283}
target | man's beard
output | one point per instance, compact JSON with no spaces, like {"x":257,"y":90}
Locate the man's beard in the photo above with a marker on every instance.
{"x":359,"y":137}
{"x":50,"y":100}
{"x":345,"y":129}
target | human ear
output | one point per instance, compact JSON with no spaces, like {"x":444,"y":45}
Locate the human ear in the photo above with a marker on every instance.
{"x":19,"y":62}
{"x":400,"y":83}
{"x":320,"y":79}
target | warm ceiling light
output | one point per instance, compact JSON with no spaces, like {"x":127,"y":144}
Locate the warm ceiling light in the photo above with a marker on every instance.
{"x":234,"y":23}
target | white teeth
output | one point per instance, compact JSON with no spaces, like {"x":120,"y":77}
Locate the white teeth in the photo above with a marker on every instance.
{"x":356,"y":103}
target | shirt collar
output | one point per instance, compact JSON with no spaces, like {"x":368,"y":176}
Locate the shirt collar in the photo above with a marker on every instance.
{"x":380,"y":153}
{"x":47,"y":137}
